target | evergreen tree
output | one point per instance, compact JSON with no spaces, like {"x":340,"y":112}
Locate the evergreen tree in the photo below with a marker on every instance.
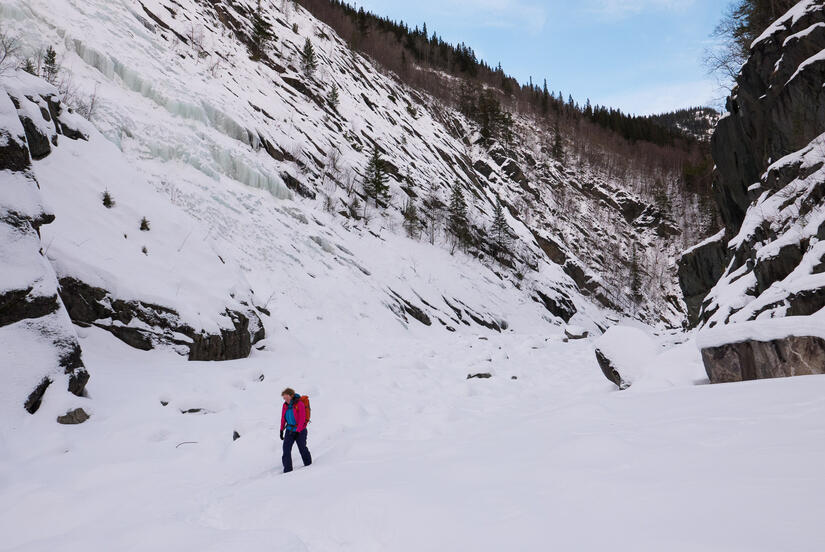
{"x":50,"y":67}
{"x":457,"y":222}
{"x":332,"y":97}
{"x":635,"y":277}
{"x":262,"y":35}
{"x":363,"y":23}
{"x":309,"y":63}
{"x":28,"y":67}
{"x":499,"y":230}
{"x":375,"y":178}
{"x":558,"y":146}
{"x":412,"y":222}
{"x":545,"y":99}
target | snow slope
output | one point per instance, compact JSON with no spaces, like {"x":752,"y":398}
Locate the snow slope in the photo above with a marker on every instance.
{"x":177,"y":93}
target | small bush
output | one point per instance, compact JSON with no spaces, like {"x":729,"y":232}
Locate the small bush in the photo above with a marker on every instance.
{"x":144,"y":250}
{"x":144,"y":225}
{"x":108,"y":200}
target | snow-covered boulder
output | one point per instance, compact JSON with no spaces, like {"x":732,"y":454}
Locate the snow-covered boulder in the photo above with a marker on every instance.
{"x":623,"y":353}
{"x":575,"y":333}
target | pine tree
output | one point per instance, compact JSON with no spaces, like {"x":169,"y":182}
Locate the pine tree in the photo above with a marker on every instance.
{"x":108,"y":200}
{"x":457,"y":223}
{"x":363,"y":23}
{"x":545,"y":99}
{"x":309,"y":63}
{"x":499,"y":230}
{"x":375,"y":179}
{"x":28,"y":67}
{"x":262,"y":34}
{"x":558,"y":146}
{"x":333,"y":98}
{"x":412,"y":222}
{"x":50,"y":67}
{"x":635,"y":277}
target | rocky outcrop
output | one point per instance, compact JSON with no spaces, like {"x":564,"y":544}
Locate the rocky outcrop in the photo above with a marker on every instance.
{"x":145,"y":325}
{"x":770,"y":187}
{"x":777,"y":107}
{"x":699,"y":270}
{"x":750,"y":360}
{"x":40,"y":345}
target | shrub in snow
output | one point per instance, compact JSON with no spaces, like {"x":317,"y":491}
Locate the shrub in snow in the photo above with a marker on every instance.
{"x":144,"y":225}
{"x":108,"y":200}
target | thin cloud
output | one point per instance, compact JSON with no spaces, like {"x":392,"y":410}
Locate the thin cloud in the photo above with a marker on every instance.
{"x":623,"y":8}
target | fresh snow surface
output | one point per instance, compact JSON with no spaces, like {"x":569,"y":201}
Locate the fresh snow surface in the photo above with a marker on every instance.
{"x":410,"y":455}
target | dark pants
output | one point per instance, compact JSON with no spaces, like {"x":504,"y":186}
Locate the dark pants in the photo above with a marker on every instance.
{"x":291,"y":438}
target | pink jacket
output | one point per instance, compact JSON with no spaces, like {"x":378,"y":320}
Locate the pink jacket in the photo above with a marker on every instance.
{"x":300,"y":412}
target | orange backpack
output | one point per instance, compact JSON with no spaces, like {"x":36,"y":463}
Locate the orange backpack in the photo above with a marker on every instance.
{"x":304,"y":399}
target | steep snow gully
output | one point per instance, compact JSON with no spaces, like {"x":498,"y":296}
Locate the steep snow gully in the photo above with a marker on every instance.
{"x":206,"y":213}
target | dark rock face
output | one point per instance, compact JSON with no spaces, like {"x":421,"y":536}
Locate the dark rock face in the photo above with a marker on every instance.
{"x":73,"y":417}
{"x":750,"y":360}
{"x":699,"y":270}
{"x":770,"y":179}
{"x":297,"y":186}
{"x":771,"y":114}
{"x":19,"y":304}
{"x":89,"y":305}
{"x":14,"y":155}
{"x":560,"y":305}
{"x":39,"y":144}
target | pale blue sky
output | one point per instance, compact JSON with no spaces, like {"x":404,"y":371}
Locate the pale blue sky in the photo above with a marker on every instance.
{"x":643,"y":56}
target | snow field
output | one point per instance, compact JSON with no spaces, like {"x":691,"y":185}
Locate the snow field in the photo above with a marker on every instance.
{"x":410,"y":455}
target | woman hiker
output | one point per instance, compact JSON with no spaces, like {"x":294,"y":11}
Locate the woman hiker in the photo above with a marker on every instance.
{"x":294,"y":418}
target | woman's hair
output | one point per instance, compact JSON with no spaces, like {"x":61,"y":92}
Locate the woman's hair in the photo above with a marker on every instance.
{"x":288,"y":391}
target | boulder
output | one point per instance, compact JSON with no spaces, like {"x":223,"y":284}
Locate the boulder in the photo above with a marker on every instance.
{"x":778,"y":358}
{"x":623,"y":354}
{"x":575,"y":332}
{"x":73,"y":417}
